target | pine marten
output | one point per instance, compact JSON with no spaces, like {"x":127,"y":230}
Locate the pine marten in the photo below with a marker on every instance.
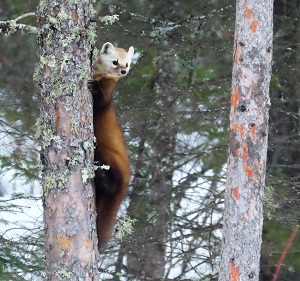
{"x":110,"y":185}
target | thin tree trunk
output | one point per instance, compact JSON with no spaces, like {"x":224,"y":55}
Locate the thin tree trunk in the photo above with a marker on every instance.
{"x":67,"y":142}
{"x":243,"y":214}
{"x":149,"y":261}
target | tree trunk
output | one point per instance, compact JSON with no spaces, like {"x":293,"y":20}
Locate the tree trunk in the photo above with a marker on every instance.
{"x":66,"y":132}
{"x":243,"y":214}
{"x":149,"y":261}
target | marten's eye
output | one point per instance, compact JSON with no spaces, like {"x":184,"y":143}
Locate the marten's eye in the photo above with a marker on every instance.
{"x":126,"y":64}
{"x":115,"y":62}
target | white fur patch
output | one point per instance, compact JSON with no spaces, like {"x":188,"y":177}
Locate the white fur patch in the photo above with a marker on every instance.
{"x":113,"y":62}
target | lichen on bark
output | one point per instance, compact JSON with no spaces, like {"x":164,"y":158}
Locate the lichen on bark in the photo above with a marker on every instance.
{"x":65,"y":127}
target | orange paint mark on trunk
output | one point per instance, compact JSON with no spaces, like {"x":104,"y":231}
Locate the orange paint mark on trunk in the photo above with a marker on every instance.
{"x":64,"y":242}
{"x":88,"y":242}
{"x":242,"y":152}
{"x":234,"y":272}
{"x":249,"y":12}
{"x":248,"y":170}
{"x":254,"y":25}
{"x":245,"y":151}
{"x":236,"y":193}
{"x":236,"y":128}
{"x":249,"y":15}
{"x":235,"y":97}
{"x":242,"y":130}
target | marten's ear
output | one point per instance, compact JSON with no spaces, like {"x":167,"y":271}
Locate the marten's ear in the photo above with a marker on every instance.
{"x":130,"y":53}
{"x":107,"y":49}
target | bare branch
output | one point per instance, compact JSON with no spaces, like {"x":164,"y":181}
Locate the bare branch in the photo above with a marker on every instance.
{"x":24,"y":16}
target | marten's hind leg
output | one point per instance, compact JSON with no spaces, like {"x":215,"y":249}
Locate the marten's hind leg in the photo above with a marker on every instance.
{"x":110,"y":189}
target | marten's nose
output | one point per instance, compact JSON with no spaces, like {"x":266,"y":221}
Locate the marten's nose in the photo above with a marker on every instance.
{"x":123,"y":71}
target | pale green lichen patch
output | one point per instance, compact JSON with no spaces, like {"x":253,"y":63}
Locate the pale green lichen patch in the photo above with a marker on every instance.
{"x":61,"y":89}
{"x":87,"y":173}
{"x":54,"y":22}
{"x":109,"y":20}
{"x":62,"y":15}
{"x":95,"y":55}
{"x":45,"y":135}
{"x":55,"y":180}
{"x":124,"y":226}
{"x":75,"y":124}
{"x":91,"y":11}
{"x":64,"y":61}
{"x":48,"y":60}
{"x":92,"y":34}
{"x":42,"y":6}
{"x":64,"y":273}
{"x":72,"y":160}
{"x":37,"y":74}
{"x":87,"y":145}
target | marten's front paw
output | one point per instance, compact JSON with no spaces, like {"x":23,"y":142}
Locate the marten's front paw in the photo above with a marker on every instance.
{"x":93,"y":86}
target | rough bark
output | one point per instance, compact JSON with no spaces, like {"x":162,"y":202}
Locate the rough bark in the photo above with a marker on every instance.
{"x":66,"y":130}
{"x":243,"y":214}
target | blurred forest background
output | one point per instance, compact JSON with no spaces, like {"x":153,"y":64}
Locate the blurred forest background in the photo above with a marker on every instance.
{"x":173,"y":109}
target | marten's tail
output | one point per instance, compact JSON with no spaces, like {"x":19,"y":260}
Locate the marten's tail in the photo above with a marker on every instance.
{"x":107,"y":209}
{"x":110,"y":189}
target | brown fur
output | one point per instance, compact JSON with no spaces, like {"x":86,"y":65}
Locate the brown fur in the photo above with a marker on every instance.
{"x":110,"y":149}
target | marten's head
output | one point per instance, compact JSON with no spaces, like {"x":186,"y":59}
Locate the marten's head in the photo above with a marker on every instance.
{"x":113,"y":62}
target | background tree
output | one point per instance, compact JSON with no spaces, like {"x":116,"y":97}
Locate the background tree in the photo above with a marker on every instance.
{"x":249,"y":114}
